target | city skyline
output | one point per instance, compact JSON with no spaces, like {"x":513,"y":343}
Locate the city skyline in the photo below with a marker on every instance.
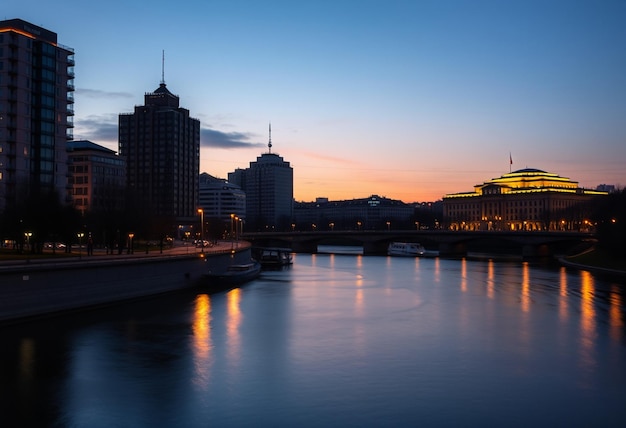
{"x":408,"y":100}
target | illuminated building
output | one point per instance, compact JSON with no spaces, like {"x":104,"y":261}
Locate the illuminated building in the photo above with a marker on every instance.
{"x":36,"y":112}
{"x":528,"y":199}
{"x":161,"y":145}
{"x":97,"y":177}
{"x":268,"y":184}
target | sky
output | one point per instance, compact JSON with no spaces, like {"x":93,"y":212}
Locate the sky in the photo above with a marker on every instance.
{"x":409,"y":100}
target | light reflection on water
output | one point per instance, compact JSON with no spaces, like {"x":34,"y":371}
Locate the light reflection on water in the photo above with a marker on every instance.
{"x":342,"y":340}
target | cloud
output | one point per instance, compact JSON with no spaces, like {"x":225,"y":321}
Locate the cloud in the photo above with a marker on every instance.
{"x":226,"y":140}
{"x":97,"y":128}
{"x":97,"y":93}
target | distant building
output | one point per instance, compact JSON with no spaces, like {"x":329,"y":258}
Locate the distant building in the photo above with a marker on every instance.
{"x":528,"y":199}
{"x":36,"y":112}
{"x":97,"y":177}
{"x":268,"y":184}
{"x":220,"y":199}
{"x":161,"y":145}
{"x":610,"y":188}
{"x":372,"y":213}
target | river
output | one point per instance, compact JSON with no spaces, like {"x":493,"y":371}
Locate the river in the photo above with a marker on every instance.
{"x":335,"y":340}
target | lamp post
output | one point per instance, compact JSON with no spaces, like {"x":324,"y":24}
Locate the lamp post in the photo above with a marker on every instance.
{"x":388,"y":226}
{"x":201,"y":211}
{"x":28,"y":235}
{"x":130,"y":243}
{"x":80,"y":244}
{"x":232,"y":223}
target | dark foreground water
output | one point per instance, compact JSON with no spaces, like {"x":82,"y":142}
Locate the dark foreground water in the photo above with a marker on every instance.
{"x":336,"y":340}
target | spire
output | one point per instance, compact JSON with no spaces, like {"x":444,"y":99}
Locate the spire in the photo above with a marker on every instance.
{"x":269,"y":144}
{"x":163,"y":68}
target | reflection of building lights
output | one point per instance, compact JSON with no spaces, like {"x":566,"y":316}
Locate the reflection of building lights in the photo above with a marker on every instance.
{"x":615,"y":314}
{"x":233,"y":322}
{"x":202,"y":345}
{"x":525,"y":297}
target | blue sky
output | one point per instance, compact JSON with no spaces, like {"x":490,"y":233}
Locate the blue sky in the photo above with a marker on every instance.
{"x":405,"y":99}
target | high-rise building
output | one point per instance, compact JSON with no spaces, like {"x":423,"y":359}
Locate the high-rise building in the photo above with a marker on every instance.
{"x":97,"y":177}
{"x":161,"y":145}
{"x":36,"y":112}
{"x":268,"y":184}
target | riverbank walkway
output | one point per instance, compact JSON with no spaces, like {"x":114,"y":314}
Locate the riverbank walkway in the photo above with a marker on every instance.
{"x":10,"y":260}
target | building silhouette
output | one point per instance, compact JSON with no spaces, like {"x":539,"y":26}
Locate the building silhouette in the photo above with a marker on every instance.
{"x":161,"y":145}
{"x":36,"y":112}
{"x":97,"y":177}
{"x":268,"y":184}
{"x":527,"y":199}
{"x":372,"y":213}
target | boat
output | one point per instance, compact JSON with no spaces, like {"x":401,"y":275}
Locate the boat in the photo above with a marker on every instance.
{"x":406,"y":249}
{"x":235,"y":274}
{"x":273,"y":257}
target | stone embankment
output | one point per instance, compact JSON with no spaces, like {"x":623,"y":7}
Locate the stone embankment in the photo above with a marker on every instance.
{"x":32,"y":288}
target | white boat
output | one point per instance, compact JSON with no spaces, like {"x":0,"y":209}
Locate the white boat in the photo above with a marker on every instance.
{"x":406,"y":249}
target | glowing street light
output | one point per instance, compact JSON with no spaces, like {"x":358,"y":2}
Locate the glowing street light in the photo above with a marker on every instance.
{"x":28,"y":235}
{"x":201,"y":212}
{"x":80,"y":244}
{"x":130,"y":243}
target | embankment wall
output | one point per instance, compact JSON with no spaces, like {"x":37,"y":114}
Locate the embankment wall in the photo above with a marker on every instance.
{"x":37,"y":289}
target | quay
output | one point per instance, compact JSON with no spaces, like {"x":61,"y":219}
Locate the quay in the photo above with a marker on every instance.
{"x":39,"y":287}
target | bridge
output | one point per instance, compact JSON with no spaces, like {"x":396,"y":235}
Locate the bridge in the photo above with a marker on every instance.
{"x":528,"y":244}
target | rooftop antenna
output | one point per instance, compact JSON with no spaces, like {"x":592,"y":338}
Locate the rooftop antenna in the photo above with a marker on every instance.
{"x":163,"y":67}
{"x":269,"y":144}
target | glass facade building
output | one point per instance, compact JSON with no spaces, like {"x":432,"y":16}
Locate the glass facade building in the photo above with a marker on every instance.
{"x":36,"y":112}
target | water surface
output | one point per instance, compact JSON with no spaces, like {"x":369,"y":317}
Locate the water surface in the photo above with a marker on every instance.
{"x":336,"y":340}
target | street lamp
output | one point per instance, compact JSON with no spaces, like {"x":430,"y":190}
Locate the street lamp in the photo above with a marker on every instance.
{"x":332,"y":226}
{"x":237,"y":230}
{"x":232,"y":222}
{"x":201,"y":211}
{"x":130,"y":243}
{"x":388,"y":226}
{"x":80,"y":244}
{"x":27,"y":235}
